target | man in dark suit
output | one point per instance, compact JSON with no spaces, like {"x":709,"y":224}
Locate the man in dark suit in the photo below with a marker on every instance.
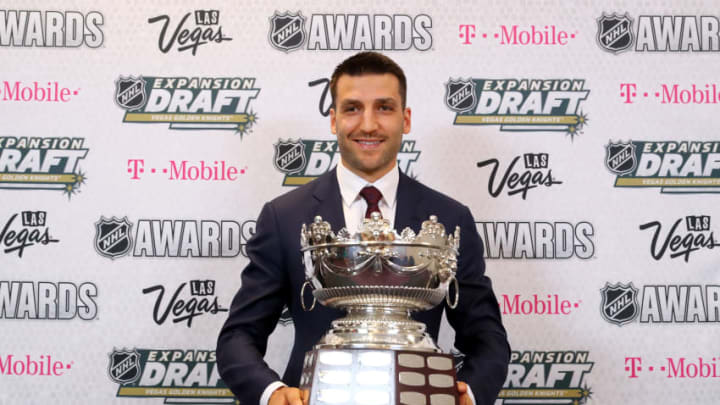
{"x":369,"y":117}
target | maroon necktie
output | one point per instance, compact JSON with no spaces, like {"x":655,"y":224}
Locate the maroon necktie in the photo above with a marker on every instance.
{"x":372,"y":196}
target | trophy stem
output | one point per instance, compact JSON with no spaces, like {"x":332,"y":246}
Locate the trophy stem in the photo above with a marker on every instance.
{"x":378,"y":327}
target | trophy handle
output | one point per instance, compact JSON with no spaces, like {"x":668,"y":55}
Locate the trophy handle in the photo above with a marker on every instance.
{"x":302,"y":297}
{"x":454,"y":304}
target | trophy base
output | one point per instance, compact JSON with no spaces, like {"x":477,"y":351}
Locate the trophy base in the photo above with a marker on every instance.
{"x":378,"y":377}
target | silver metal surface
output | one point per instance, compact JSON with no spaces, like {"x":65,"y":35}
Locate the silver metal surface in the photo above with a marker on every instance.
{"x":379,"y":277}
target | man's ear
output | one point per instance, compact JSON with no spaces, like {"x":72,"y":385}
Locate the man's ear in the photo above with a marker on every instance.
{"x":407,"y":114}
{"x":333,"y":127}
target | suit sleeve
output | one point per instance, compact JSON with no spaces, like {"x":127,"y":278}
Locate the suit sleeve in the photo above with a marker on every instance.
{"x":479,"y":333}
{"x":254,"y":313}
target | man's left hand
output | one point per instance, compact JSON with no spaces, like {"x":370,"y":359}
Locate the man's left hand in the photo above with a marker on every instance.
{"x":463,"y":392}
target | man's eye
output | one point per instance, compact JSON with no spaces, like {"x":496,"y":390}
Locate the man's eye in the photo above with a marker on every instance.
{"x":385,"y":108}
{"x":350,"y":109}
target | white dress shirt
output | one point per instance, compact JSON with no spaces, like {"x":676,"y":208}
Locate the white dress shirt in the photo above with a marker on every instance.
{"x":354,"y":205}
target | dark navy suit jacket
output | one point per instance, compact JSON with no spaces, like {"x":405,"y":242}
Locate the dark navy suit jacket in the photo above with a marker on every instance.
{"x":275,"y":275}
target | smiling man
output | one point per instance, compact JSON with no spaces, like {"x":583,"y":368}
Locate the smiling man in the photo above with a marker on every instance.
{"x":369,"y":118}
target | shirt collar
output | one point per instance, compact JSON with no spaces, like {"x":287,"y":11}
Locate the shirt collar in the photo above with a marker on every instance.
{"x":351,"y":184}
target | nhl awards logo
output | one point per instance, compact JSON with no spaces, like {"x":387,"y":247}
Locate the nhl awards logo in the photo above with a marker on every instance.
{"x":112,"y":237}
{"x":172,"y":238}
{"x":619,"y":303}
{"x":124,"y":366}
{"x":130,"y":93}
{"x":615,"y":32}
{"x":287,"y":31}
{"x":350,"y":32}
{"x":460,"y":95}
{"x":289,"y":156}
{"x":620,"y":158}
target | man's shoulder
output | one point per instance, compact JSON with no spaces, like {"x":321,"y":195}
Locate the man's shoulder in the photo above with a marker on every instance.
{"x":432,"y":197}
{"x":301,"y":195}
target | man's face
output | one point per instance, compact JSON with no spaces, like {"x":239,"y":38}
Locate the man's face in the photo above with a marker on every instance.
{"x":369,"y":121}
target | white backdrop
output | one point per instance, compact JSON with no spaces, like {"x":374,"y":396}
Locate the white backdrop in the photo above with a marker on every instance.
{"x":84,"y":299}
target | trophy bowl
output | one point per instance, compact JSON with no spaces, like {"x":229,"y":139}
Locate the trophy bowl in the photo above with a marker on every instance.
{"x":379,"y":276}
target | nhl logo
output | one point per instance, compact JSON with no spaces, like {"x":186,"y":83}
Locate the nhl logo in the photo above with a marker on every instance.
{"x":620,"y":157}
{"x":287,"y":31}
{"x":619,"y":303}
{"x":460,"y":95}
{"x":615,"y":32}
{"x":124,"y":366}
{"x":130,"y":93}
{"x":289,"y":156}
{"x":112,"y":237}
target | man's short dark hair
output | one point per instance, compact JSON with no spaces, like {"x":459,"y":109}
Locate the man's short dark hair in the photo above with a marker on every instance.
{"x":369,"y":63}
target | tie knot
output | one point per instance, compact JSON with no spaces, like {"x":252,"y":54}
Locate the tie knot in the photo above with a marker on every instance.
{"x":372,"y":196}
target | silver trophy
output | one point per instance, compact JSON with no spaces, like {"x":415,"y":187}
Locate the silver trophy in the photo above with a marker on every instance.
{"x":377,"y":354}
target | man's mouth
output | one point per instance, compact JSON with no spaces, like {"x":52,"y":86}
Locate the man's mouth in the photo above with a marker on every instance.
{"x":368,"y":143}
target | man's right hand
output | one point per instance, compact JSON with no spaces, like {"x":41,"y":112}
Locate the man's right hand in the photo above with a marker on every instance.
{"x":288,"y":396}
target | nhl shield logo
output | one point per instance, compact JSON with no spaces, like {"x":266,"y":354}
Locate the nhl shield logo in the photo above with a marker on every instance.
{"x":112,"y":237}
{"x":290,"y":156}
{"x":619,"y":303}
{"x":124,"y":366}
{"x":460,"y":95}
{"x":620,"y":157}
{"x":287,"y":31}
{"x":615,"y":32}
{"x":130,"y":93}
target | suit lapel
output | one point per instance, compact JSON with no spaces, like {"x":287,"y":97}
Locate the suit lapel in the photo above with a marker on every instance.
{"x":409,"y":210}
{"x":329,"y":200}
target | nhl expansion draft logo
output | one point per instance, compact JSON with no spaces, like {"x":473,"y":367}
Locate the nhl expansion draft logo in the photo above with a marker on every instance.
{"x":189,"y":103}
{"x":130,"y":93}
{"x":519,"y":104}
{"x":112,"y":237}
{"x":176,"y":376}
{"x":304,"y":160}
{"x":619,"y":303}
{"x":615,"y":32}
{"x":460,"y":95}
{"x":673,"y":166}
{"x":289,"y":156}
{"x":556,"y":376}
{"x":124,"y":366}
{"x":620,"y":158}
{"x":42,"y":163}
{"x":287,"y":31}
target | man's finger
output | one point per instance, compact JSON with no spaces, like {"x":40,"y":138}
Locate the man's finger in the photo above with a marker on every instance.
{"x":293,"y":396}
{"x":305,"y":396}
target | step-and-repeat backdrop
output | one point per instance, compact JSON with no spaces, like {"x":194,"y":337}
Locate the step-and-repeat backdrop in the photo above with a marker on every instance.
{"x":139,"y":141}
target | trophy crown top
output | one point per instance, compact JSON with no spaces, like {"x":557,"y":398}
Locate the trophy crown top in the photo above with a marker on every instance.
{"x":375,"y":229}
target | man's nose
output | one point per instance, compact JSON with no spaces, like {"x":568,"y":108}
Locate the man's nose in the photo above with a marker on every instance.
{"x":369,"y":122}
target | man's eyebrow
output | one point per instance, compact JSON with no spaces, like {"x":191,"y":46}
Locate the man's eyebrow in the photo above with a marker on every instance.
{"x":349,"y":101}
{"x":386,"y":100}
